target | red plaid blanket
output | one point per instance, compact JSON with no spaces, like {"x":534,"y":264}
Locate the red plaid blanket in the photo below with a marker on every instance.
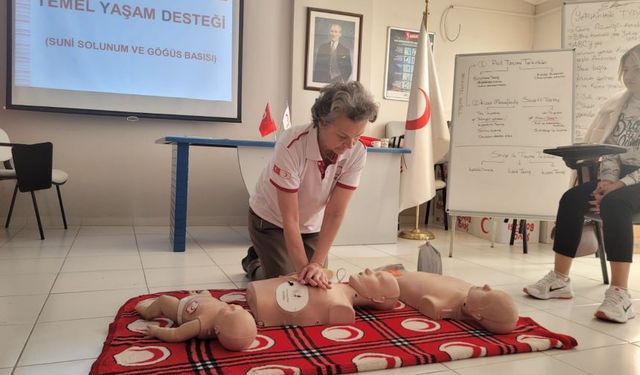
{"x":378,"y":340}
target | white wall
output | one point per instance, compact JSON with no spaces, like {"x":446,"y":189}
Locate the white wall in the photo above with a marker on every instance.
{"x":548,"y":32}
{"x":482,"y":31}
{"x":120,"y":176}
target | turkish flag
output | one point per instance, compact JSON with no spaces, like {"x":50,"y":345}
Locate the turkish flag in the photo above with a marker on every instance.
{"x":426,"y":132}
{"x":267,"y":125}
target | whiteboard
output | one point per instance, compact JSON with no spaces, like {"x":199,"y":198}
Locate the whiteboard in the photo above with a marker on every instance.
{"x":507,"y":108}
{"x":600,"y":32}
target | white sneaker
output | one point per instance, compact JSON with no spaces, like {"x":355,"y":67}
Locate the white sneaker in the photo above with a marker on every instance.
{"x":550,"y":286}
{"x":616,"y":307}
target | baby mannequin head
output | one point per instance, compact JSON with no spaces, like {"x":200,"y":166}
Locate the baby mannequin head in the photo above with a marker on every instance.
{"x":493,"y":309}
{"x":235,"y":328}
{"x":377,"y":289}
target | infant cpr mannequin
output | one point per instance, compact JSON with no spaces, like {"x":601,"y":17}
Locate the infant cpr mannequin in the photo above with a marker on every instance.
{"x":445,"y":297}
{"x":202,"y":316}
{"x":284,"y":301}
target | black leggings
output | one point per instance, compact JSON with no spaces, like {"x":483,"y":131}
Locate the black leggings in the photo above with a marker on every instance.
{"x":616,"y":210}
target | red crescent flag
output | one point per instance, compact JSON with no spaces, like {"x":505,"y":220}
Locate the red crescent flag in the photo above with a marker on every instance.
{"x":426,"y":132}
{"x":267,"y":125}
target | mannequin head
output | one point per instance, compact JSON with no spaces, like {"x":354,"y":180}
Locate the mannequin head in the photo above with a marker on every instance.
{"x":380,"y":289}
{"x":235,"y":328}
{"x":493,"y":309}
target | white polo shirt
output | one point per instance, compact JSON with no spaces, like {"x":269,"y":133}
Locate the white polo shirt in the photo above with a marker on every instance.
{"x":297,"y":166}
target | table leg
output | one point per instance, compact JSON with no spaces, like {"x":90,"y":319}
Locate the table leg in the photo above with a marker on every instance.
{"x":452,"y":224}
{"x":179,"y":186}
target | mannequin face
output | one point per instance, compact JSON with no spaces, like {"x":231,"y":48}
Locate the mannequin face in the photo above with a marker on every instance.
{"x":631,"y":74}
{"x":338,"y":136}
{"x":478,"y":297}
{"x":378,"y":286}
{"x":493,"y":308}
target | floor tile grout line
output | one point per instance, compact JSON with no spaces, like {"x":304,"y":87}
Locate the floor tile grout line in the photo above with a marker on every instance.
{"x":194,"y":239}
{"x":56,"y":362}
{"x":586,"y":326}
{"x":35,"y":323}
{"x":144,"y":273}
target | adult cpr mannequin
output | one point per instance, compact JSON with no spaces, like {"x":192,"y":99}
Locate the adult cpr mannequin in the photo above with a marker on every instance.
{"x":445,"y":297}
{"x":201,"y":316}
{"x":284,"y":301}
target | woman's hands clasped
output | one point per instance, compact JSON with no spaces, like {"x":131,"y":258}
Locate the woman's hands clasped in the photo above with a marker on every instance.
{"x":603,"y":188}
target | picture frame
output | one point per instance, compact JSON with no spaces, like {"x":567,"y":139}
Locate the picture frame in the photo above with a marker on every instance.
{"x":400,"y":55}
{"x":324,"y":62}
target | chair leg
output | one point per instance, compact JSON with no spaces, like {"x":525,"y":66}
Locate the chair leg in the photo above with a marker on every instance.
{"x":13,"y":201}
{"x":601,"y":252}
{"x":64,"y":218}
{"x":523,"y":231}
{"x":513,"y":231}
{"x":444,"y":209}
{"x":35,"y":207}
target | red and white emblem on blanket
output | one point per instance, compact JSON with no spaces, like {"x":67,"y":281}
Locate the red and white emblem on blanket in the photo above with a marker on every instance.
{"x":261,"y":342}
{"x":376,"y":361}
{"x":399,"y":305}
{"x":537,"y":343}
{"x":274,"y":370}
{"x":420,"y":325}
{"x":234,"y":297}
{"x":463,"y":350}
{"x":140,"y":325}
{"x":342,"y":333}
{"x":142,"y":355}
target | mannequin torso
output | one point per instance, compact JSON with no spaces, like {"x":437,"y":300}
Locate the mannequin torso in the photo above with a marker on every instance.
{"x":445,"y":297}
{"x":284,"y":301}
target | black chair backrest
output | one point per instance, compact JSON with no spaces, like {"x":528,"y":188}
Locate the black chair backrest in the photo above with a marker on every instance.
{"x":33,"y":164}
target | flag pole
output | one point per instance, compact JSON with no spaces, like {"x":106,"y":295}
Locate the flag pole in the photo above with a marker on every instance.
{"x":417,"y":233}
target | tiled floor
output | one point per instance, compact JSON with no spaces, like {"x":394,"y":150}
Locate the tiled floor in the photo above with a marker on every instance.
{"x":58,"y":296}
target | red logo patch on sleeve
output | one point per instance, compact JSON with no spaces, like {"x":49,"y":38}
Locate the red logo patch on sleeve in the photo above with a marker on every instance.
{"x":280,"y":172}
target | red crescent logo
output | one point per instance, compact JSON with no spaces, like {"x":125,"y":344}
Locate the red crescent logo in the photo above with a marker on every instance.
{"x":537,"y":343}
{"x":261,"y":342}
{"x":482,"y":223}
{"x":274,"y":369}
{"x":399,"y":305}
{"x":421,"y":121}
{"x":342,"y":333}
{"x":375,"y":361}
{"x":420,"y":325}
{"x":233,"y":297}
{"x":463,"y":350}
{"x":142,"y":356}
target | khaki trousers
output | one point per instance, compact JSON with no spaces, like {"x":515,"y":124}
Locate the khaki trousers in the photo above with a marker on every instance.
{"x":268,"y":242}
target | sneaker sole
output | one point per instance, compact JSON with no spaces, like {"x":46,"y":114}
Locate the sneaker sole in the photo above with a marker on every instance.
{"x":549,"y":297}
{"x":602,"y":316}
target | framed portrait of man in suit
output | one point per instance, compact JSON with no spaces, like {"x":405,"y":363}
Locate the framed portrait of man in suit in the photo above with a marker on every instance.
{"x":332,"y":47}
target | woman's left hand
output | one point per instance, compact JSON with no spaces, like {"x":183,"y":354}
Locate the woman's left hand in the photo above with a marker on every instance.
{"x":313,"y":274}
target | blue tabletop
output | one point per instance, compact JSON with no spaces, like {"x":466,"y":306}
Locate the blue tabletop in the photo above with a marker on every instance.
{"x":223,"y":142}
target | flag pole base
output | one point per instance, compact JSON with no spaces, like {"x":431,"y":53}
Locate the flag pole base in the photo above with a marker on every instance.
{"x":417,"y":234}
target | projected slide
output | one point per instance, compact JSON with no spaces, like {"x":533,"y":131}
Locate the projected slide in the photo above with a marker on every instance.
{"x":156,"y":48}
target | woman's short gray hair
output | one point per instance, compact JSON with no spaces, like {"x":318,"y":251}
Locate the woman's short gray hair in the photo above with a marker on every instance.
{"x":344,"y":98}
{"x":634,"y":54}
